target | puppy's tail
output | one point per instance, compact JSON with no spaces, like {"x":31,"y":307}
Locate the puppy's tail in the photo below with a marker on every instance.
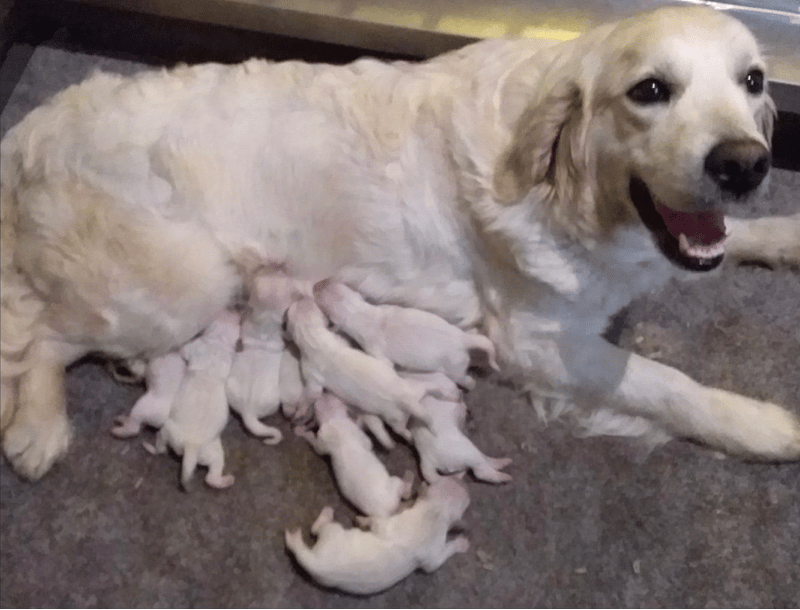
{"x":20,"y":307}
{"x":188,"y":465}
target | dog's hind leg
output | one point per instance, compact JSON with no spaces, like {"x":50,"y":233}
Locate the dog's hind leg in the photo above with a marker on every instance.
{"x":213,"y":456}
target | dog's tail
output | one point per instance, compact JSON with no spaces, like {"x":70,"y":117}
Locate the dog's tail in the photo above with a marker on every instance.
{"x":20,"y":307}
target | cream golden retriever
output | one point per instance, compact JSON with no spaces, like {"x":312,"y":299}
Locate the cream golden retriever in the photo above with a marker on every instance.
{"x":526,"y":189}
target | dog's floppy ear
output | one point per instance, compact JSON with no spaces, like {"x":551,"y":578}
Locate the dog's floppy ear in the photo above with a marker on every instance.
{"x":543,"y":129}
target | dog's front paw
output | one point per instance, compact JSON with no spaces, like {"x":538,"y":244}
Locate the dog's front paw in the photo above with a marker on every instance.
{"x":755,"y":429}
{"x":770,"y":241}
{"x":32,"y":448}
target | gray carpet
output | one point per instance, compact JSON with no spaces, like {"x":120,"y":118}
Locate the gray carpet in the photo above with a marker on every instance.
{"x":585,"y":522}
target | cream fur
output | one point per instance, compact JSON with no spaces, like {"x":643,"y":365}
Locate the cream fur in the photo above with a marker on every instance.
{"x":360,"y":475}
{"x":468,"y":186}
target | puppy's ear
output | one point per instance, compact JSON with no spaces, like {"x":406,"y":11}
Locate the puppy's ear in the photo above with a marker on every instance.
{"x":541,"y":131}
{"x":765,"y":118}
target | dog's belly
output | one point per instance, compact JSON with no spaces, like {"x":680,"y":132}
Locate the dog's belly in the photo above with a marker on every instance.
{"x":141,"y":201}
{"x":324,"y":207}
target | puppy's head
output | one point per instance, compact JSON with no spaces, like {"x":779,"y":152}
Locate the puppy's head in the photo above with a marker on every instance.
{"x":303,"y":312}
{"x":663,"y":119}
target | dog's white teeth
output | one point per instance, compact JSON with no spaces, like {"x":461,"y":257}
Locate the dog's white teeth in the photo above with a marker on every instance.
{"x":699,"y":251}
{"x":683,"y":243}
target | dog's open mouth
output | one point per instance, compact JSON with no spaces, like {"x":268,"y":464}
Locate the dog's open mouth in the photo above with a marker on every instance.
{"x":691,"y":240}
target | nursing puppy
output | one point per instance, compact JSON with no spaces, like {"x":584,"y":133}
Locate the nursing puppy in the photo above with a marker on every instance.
{"x":163,"y":376}
{"x":361,"y":476}
{"x":371,"y":385}
{"x":200,"y":409}
{"x":528,"y":189}
{"x":367,"y":562}
{"x":254,"y":385}
{"x":411,"y":338}
{"x":445,"y":448}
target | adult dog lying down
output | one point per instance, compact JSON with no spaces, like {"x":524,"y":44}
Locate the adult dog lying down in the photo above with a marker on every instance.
{"x":529,"y":189}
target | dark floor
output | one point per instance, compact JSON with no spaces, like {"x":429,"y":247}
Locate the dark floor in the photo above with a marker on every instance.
{"x":585,"y":522}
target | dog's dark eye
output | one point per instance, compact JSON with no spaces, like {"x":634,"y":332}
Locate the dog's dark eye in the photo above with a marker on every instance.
{"x":754,"y":81}
{"x":649,"y":91}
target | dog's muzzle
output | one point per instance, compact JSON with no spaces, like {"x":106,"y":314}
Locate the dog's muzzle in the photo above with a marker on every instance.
{"x":695,"y":240}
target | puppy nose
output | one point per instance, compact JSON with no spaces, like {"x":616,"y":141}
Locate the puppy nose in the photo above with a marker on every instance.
{"x":738,"y":166}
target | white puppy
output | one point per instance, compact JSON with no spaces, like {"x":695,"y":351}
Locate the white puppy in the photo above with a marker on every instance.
{"x":200,"y":410}
{"x":163,"y":377}
{"x":253,"y":386}
{"x":411,"y":338}
{"x":360,"y":475}
{"x":367,"y":562}
{"x":444,"y":446}
{"x":328,"y":361}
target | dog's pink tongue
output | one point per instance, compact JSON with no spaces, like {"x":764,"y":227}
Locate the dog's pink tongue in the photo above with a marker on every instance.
{"x":700,"y":228}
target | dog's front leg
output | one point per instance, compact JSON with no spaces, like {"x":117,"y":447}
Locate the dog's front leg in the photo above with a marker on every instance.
{"x":39,"y":433}
{"x":773,"y":241}
{"x":603,"y":376}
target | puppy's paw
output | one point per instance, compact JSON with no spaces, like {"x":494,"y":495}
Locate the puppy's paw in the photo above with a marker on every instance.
{"x":490,"y":470}
{"x":273,"y":438}
{"x":754,"y":429}
{"x":32,"y":448}
{"x":222,"y":482}
{"x":126,"y":427}
{"x":325,"y":517}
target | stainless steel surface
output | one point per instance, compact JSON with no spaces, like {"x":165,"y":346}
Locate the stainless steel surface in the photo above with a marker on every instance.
{"x":428,"y":27}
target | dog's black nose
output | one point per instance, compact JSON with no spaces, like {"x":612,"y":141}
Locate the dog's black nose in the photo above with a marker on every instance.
{"x":738,"y":166}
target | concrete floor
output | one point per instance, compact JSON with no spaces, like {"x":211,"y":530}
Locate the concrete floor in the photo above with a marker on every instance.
{"x":585,"y":522}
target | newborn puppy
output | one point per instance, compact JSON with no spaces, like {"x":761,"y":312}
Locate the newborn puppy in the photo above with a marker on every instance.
{"x":328,"y":361}
{"x":253,"y":387}
{"x":444,"y":446}
{"x":200,"y":409}
{"x":163,"y":377}
{"x":367,"y":562}
{"x":411,"y":338}
{"x":361,"y":476}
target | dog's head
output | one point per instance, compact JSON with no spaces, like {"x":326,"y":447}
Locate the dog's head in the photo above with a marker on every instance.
{"x":662,"y":119}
